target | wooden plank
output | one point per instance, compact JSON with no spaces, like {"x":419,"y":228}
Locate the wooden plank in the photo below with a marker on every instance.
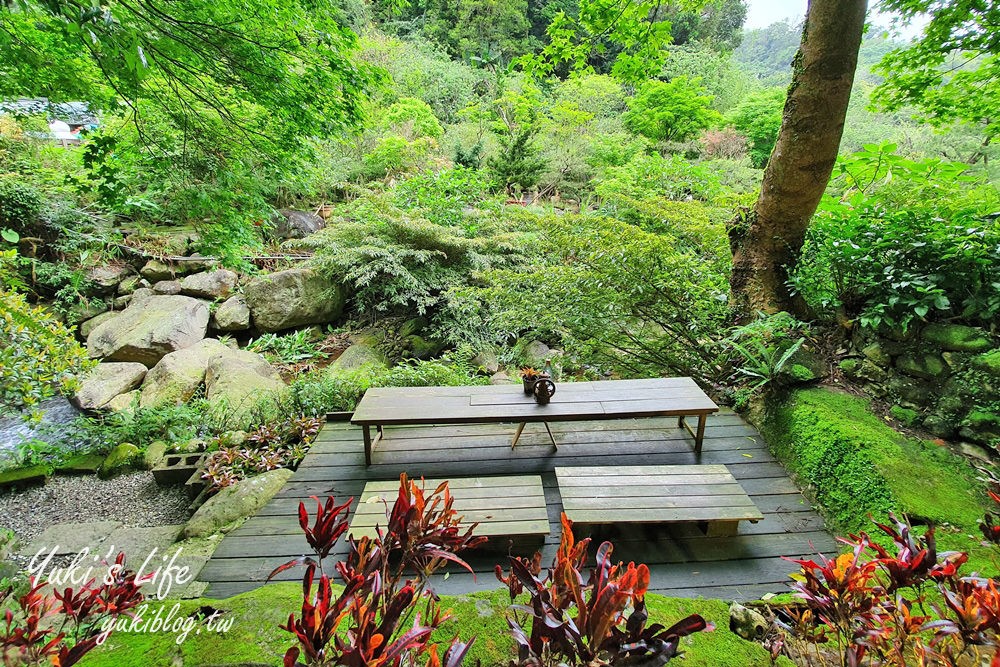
{"x":575,"y":472}
{"x":517,"y":506}
{"x":678,"y":515}
{"x":621,"y":507}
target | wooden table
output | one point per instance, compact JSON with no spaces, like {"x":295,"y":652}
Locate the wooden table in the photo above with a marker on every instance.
{"x":506,"y":506}
{"x":704,"y":494}
{"x":573,"y":401}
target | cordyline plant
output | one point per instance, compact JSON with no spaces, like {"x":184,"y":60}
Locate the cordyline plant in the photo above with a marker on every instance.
{"x":600,"y":620}
{"x":873,"y":602}
{"x":268,"y":447}
{"x":374,"y":621}
{"x":59,"y":628}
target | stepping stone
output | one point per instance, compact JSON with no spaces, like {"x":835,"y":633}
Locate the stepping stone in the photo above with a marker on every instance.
{"x":139,"y":543}
{"x":72,"y":538}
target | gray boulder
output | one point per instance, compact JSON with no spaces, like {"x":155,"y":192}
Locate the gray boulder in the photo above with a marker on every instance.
{"x":293,"y":298}
{"x":236,"y":502}
{"x":177,"y":376}
{"x":107,"y":381}
{"x":358,"y":355}
{"x":105,"y":279}
{"x":536,"y":352}
{"x":89,"y":325}
{"x":291,"y":224}
{"x":232,"y":315}
{"x":150,"y":328}
{"x":154,"y":271}
{"x":216,"y":284}
{"x":236,"y":380}
{"x":167,"y":287}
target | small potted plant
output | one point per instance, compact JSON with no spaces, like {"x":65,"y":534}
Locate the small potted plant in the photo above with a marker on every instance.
{"x":529,"y":376}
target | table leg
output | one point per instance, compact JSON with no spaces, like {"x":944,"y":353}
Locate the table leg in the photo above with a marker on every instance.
{"x":366,"y":431}
{"x":551,"y":437}
{"x":517,"y":434}
{"x":370,"y":442}
{"x":699,"y":439}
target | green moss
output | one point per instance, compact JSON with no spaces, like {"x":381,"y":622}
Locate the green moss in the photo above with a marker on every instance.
{"x":859,"y":466}
{"x":988,"y":363}
{"x":123,"y":457}
{"x":21,"y":476}
{"x":957,"y":338}
{"x":82,"y":464}
{"x":255,"y":636}
{"x":905,"y":415}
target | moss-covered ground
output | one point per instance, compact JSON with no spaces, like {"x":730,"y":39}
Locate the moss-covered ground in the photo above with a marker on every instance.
{"x":858,"y":467}
{"x":255,"y":638}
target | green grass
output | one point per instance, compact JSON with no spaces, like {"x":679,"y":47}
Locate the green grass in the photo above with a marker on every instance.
{"x":859,"y":467}
{"x":256,"y":639}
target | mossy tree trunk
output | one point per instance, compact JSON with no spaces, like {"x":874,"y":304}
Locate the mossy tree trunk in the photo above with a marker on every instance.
{"x":767,"y":244}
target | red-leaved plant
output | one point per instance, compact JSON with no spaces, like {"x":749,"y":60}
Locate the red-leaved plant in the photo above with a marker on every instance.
{"x":374,"y":621}
{"x":873,"y":602}
{"x":60,"y":627}
{"x":598,"y":621}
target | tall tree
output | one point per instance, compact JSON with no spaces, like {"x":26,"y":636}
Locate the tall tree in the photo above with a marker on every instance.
{"x":767,"y":243}
{"x":952,"y":74}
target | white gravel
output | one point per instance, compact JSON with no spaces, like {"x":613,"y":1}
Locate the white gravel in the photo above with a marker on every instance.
{"x":134,"y":499}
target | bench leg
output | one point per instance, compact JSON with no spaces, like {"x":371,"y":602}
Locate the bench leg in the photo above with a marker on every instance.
{"x":517,"y":434}
{"x":722,"y":529}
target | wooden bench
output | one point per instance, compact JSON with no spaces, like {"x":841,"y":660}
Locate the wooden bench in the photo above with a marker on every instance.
{"x":573,"y":401}
{"x":704,"y":494}
{"x":508,"y":506}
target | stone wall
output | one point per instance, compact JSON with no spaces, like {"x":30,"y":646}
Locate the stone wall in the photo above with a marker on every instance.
{"x":944,"y":378}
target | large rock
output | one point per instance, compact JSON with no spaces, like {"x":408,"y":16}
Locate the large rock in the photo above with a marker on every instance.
{"x":293,"y":298}
{"x":107,"y":381}
{"x":927,"y":366}
{"x":236,"y":380}
{"x":105,"y":279}
{"x":232,"y":315}
{"x":236,"y":502}
{"x":358,"y":355}
{"x":216,"y":284}
{"x":154,"y":271}
{"x":177,"y":376}
{"x":88,"y":326}
{"x":149,"y":329}
{"x":535,"y":353}
{"x":291,"y":224}
{"x":957,"y":338}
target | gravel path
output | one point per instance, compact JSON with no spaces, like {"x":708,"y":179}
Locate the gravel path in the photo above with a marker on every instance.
{"x":134,"y":499}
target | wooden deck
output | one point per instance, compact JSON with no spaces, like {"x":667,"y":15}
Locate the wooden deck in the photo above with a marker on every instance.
{"x":682,"y":561}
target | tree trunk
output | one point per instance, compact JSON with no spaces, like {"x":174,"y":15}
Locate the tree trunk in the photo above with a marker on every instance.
{"x":767,"y":244}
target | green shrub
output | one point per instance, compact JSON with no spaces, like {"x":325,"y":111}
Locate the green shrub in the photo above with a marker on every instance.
{"x":336,"y":390}
{"x":610,"y":293}
{"x":412,"y":118}
{"x":758,"y":117}
{"x":392,"y":259}
{"x":672,"y":111}
{"x":394,"y":155}
{"x":908,"y":241}
{"x":38,"y":355}
{"x":20,"y":207}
